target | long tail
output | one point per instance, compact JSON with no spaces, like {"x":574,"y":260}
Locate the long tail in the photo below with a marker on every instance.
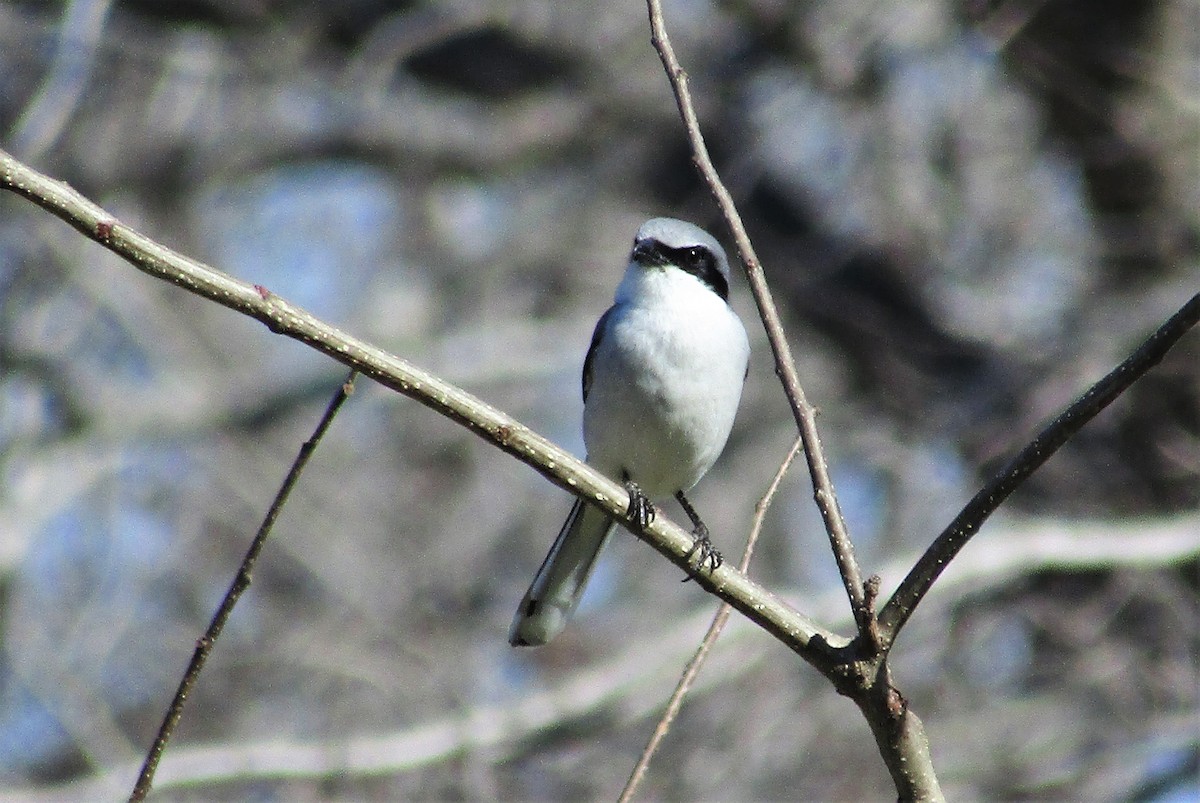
{"x":558,"y":585}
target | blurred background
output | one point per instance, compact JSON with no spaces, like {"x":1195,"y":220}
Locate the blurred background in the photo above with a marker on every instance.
{"x":968,"y":212}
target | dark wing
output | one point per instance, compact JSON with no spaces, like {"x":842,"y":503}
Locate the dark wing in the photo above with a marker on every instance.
{"x":597,"y":334}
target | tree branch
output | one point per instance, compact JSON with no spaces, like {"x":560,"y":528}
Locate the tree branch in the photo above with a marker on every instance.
{"x":811,"y":641}
{"x":862,"y":673}
{"x":785,"y":367}
{"x":241,"y":582}
{"x":902,"y":604}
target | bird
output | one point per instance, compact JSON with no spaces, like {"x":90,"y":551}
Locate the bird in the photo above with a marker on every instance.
{"x":662,"y":381}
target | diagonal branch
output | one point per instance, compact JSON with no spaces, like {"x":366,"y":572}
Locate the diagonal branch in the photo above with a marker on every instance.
{"x":785,"y":367}
{"x":898,"y":731}
{"x":240,"y":583}
{"x":900,"y":607}
{"x":811,"y":641}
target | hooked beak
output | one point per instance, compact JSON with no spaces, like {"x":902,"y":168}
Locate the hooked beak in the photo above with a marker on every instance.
{"x":648,"y":253}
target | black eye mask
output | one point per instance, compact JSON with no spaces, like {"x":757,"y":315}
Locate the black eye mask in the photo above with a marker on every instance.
{"x":694,"y":259}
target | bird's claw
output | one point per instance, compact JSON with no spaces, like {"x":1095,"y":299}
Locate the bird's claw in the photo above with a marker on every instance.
{"x":706,"y":553}
{"x":641,"y":509}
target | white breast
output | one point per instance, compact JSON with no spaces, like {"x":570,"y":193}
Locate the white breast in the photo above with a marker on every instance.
{"x":666,"y":381}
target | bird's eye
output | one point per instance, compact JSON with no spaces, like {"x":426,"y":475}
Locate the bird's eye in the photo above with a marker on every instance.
{"x":696,"y":257}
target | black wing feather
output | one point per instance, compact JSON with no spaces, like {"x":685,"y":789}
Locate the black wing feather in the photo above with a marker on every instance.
{"x":597,"y":335}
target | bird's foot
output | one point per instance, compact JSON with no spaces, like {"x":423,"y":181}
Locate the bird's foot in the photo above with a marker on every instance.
{"x":641,"y":509}
{"x":706,"y":553}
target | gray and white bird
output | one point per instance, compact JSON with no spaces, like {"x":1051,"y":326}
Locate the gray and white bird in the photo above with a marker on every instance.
{"x":661,"y":386}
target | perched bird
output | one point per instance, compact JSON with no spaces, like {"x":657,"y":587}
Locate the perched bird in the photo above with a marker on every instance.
{"x":661,"y":386}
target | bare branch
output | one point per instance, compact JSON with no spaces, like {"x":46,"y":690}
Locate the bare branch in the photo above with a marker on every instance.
{"x":813,"y":642}
{"x":900,"y":607}
{"x":804,"y":413}
{"x":898,"y":732}
{"x":240,"y":583}
{"x":894,"y":724}
{"x":710,"y":637}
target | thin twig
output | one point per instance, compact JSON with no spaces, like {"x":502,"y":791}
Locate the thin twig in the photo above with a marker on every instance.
{"x":710,"y":637}
{"x":805,"y":414}
{"x":898,"y":731}
{"x":240,"y":583}
{"x":900,"y":607}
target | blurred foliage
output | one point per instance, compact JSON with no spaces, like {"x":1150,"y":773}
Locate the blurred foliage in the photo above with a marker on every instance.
{"x":967,"y":211}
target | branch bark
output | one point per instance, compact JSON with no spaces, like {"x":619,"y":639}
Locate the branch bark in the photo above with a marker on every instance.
{"x":811,"y":641}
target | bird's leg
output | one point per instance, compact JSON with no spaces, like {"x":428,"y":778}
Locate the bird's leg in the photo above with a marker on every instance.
{"x":702,"y":546}
{"x":641,"y":509}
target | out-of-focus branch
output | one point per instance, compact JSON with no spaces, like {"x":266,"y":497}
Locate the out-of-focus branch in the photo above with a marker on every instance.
{"x":785,"y":367}
{"x":900,"y":607}
{"x":811,"y":641}
{"x":45,"y":118}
